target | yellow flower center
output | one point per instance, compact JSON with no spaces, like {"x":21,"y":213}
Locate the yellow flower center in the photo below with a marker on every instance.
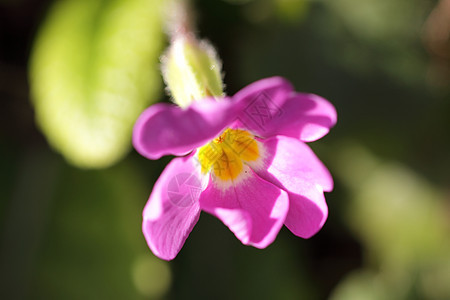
{"x":225,"y":156}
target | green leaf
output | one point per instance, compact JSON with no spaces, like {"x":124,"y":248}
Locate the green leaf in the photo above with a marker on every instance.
{"x":94,"y":68}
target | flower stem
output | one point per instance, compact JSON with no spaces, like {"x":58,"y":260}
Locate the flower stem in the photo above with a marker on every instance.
{"x":180,"y":19}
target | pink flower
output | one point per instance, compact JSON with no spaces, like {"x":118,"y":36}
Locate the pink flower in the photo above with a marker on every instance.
{"x":244,"y":160}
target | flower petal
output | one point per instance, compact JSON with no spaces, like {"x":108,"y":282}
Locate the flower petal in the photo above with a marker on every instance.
{"x":294,"y":167}
{"x":308,"y":211}
{"x":253,"y":209}
{"x":275,"y":88}
{"x":172,"y":209}
{"x":165,"y":129}
{"x":293,"y":162}
{"x":307,"y":117}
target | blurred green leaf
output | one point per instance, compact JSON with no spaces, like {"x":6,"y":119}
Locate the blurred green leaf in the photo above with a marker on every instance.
{"x":401,"y":220}
{"x":380,"y":34}
{"x":380,"y":20}
{"x":396,"y":213}
{"x":93,"y":70}
{"x":361,"y":286}
{"x":291,"y":10}
{"x":288,"y":11}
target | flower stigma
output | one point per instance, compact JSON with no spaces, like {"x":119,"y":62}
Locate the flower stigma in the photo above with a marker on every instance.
{"x":226,"y":155}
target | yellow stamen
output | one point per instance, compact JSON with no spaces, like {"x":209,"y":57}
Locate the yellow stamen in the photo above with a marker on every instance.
{"x":225,"y":156}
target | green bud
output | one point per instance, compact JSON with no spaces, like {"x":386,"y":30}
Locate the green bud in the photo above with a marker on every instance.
{"x":191,"y":70}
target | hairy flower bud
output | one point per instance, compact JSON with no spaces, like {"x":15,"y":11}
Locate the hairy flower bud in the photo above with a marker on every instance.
{"x":191,"y":70}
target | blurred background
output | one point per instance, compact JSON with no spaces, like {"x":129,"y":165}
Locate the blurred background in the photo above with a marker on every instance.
{"x":75,"y":74}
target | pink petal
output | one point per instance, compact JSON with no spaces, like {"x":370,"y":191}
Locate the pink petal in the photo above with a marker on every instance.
{"x":294,"y":167}
{"x":253,"y":209}
{"x":293,"y":162}
{"x":267,"y":113}
{"x":308,"y":211}
{"x":275,"y":88}
{"x":172,"y":209}
{"x":307,"y":117}
{"x":165,"y":129}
